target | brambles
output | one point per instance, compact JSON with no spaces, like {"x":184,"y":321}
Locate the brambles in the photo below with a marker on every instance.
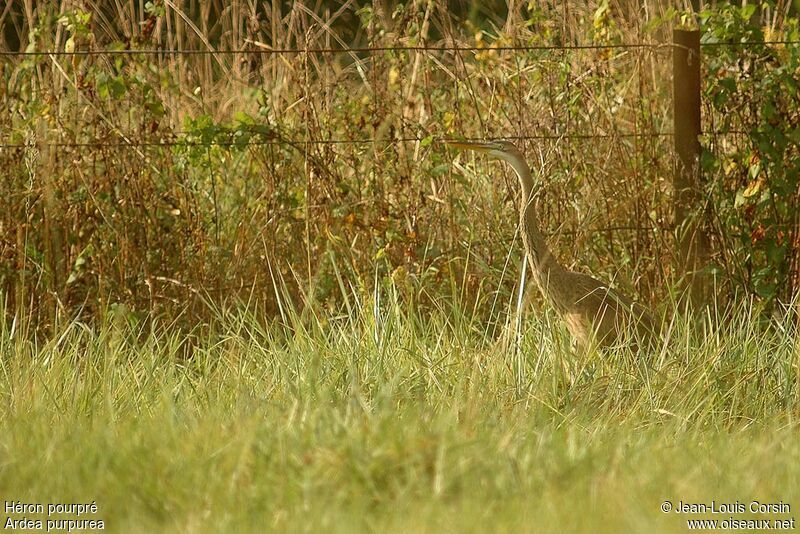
{"x":752,"y":101}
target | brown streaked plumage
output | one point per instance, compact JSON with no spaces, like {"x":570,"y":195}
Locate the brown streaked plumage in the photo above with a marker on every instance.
{"x":594,"y":313}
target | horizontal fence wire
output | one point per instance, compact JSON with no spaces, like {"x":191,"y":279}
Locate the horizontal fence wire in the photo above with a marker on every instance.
{"x":303,"y":142}
{"x":265,"y":50}
{"x":712,"y":44}
{"x":278,"y":141}
{"x":358,"y":50}
{"x":261,"y":49}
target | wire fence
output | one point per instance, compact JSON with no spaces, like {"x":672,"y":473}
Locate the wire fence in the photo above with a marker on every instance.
{"x":168,"y":216}
{"x":183,"y":139}
{"x":281,"y":141}
{"x":261,"y":49}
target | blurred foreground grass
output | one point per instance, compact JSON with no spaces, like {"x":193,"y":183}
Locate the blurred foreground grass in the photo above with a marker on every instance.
{"x":394,"y":422}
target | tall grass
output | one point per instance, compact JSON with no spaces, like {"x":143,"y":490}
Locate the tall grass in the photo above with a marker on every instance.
{"x":93,"y":215}
{"x":389,"y":419}
{"x":151,"y":228}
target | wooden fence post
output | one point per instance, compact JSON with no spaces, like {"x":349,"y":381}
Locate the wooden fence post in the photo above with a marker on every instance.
{"x":693,"y":245}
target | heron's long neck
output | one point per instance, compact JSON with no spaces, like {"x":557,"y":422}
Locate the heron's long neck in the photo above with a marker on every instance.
{"x":542,"y":260}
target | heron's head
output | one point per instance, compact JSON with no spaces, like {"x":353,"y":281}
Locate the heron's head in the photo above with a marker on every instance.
{"x":500,"y":149}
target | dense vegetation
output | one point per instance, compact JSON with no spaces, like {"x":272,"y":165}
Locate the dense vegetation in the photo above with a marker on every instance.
{"x":155,"y":181}
{"x":396,"y":421}
{"x":245,"y":285}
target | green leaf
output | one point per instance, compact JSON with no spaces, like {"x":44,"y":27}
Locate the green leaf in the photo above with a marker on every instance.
{"x":440,"y":169}
{"x":754,"y":171}
{"x":768,"y":110}
{"x":740,"y":200}
{"x":748,"y":11}
{"x":110,"y":87}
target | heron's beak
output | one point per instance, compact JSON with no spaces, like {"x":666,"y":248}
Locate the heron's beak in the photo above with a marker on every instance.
{"x":478,"y":146}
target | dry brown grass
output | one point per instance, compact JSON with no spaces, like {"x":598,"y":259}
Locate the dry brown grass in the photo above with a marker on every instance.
{"x":167,"y":229}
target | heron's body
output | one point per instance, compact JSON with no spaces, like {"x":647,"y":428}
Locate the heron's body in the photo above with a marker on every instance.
{"x":594,"y":313}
